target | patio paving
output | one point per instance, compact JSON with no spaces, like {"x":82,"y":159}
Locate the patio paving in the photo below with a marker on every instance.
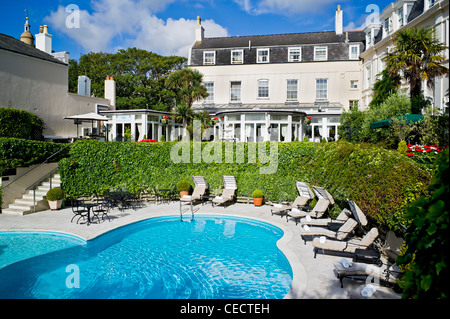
{"x":313,"y":277}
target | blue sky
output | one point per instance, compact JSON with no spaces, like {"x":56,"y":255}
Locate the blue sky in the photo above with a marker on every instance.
{"x":167,"y":26}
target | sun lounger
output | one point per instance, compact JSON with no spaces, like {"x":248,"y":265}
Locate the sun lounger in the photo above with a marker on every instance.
{"x":279,"y":209}
{"x":322,"y":205}
{"x":392,"y":246}
{"x":327,"y":222}
{"x":305,"y":195}
{"x":228,"y":193}
{"x":197,"y":195}
{"x":384,"y":275}
{"x":357,"y":212}
{"x":341,"y":234}
{"x":344,"y":247}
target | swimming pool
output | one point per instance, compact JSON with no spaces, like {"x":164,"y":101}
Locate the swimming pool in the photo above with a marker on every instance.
{"x":209,"y":256}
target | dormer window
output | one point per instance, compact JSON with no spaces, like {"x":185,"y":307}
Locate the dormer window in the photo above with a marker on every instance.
{"x":262,"y":56}
{"x":320,"y":53}
{"x":295,"y":54}
{"x":353,"y":52}
{"x":386,"y":27}
{"x":209,"y":57}
{"x":400,"y":17}
{"x":237,"y":56}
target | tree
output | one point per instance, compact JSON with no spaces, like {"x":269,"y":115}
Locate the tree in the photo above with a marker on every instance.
{"x":384,"y":86}
{"x":188,"y":87}
{"x":416,"y":55}
{"x":139,"y":75}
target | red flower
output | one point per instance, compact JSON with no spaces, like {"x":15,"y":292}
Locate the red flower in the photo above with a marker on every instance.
{"x":308,"y":117}
{"x":147,"y":141}
{"x":165,"y":117}
{"x":410,"y":154}
{"x":215,"y":119}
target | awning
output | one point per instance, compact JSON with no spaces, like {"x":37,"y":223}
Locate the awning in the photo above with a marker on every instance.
{"x":409,"y":118}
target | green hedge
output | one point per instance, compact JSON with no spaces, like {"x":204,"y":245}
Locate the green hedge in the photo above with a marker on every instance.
{"x":20,"y":124}
{"x":16,"y":152}
{"x":381,"y":182}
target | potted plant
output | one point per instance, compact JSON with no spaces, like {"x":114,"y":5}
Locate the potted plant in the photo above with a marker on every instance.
{"x":55,"y":197}
{"x":257,"y":197}
{"x":307,"y":121}
{"x":183,"y":187}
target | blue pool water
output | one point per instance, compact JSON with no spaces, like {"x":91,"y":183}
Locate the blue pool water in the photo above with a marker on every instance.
{"x":205,"y":257}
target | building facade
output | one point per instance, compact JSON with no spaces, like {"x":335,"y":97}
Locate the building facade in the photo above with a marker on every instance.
{"x":33,"y":79}
{"x":400,"y":15}
{"x":263,"y":87}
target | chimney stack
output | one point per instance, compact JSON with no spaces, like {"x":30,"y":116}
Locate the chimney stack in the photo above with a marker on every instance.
{"x":199,"y":31}
{"x":339,"y":20}
{"x":44,"y":40}
{"x":110,"y":90}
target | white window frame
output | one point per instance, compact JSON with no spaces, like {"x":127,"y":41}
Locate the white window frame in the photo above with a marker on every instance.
{"x":290,"y":51}
{"x":205,"y":62}
{"x":290,"y":91}
{"x":318,"y":96}
{"x":354,"y":84}
{"x":239,"y":96}
{"x":320,"y":48}
{"x":350,"y":52}
{"x":263,"y":87}
{"x":239,"y":60}
{"x":401,"y":17}
{"x":259,"y":57}
{"x":386,"y":26}
{"x":209,"y":85}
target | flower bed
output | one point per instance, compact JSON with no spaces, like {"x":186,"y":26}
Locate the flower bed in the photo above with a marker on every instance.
{"x":147,"y":141}
{"x":420,"y":149}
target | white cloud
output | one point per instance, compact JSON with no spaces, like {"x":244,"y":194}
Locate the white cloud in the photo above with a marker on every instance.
{"x":285,"y":7}
{"x":115,"y":24}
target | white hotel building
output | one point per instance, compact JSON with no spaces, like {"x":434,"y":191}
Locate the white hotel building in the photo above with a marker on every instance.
{"x":263,"y":87}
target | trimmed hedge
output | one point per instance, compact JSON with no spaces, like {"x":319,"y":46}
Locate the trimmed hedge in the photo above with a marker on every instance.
{"x":381,"y":182}
{"x":16,"y":152}
{"x":20,"y":124}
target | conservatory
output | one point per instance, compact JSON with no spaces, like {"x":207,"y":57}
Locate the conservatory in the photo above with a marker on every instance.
{"x":136,"y":125}
{"x":257,"y":125}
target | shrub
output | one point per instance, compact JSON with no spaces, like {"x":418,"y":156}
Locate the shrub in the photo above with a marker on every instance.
{"x":257,"y":193}
{"x":427,"y":240}
{"x":20,"y":124}
{"x":402,"y":147}
{"x":183,"y":186}
{"x":55,"y":194}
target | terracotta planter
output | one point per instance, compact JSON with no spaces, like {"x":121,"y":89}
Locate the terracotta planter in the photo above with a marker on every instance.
{"x":182,"y":193}
{"x":55,"y":204}
{"x":257,"y":201}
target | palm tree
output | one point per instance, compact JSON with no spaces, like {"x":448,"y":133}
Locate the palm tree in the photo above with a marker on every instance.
{"x":417,"y":54}
{"x":187,"y":84}
{"x":183,"y":113}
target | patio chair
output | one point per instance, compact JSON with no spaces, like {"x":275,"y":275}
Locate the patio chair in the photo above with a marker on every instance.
{"x":341,"y":234}
{"x":229,"y":191}
{"x":386,"y":276}
{"x":101,"y":208}
{"x":327,"y":222}
{"x":344,"y":247}
{"x":78,"y":210}
{"x":357,"y":212}
{"x":305,"y":195}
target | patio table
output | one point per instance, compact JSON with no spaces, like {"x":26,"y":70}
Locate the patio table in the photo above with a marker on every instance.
{"x":89,"y":207}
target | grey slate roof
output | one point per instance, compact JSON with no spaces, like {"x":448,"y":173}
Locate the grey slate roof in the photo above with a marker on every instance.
{"x":11,"y":44}
{"x":338,"y":47}
{"x":289,"y":39}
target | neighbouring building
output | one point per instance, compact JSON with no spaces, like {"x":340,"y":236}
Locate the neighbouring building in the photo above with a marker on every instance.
{"x":400,"y":15}
{"x":263,"y":87}
{"x":35,"y":79}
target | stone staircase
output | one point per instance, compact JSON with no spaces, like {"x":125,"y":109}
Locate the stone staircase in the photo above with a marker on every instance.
{"x":24,"y":205}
